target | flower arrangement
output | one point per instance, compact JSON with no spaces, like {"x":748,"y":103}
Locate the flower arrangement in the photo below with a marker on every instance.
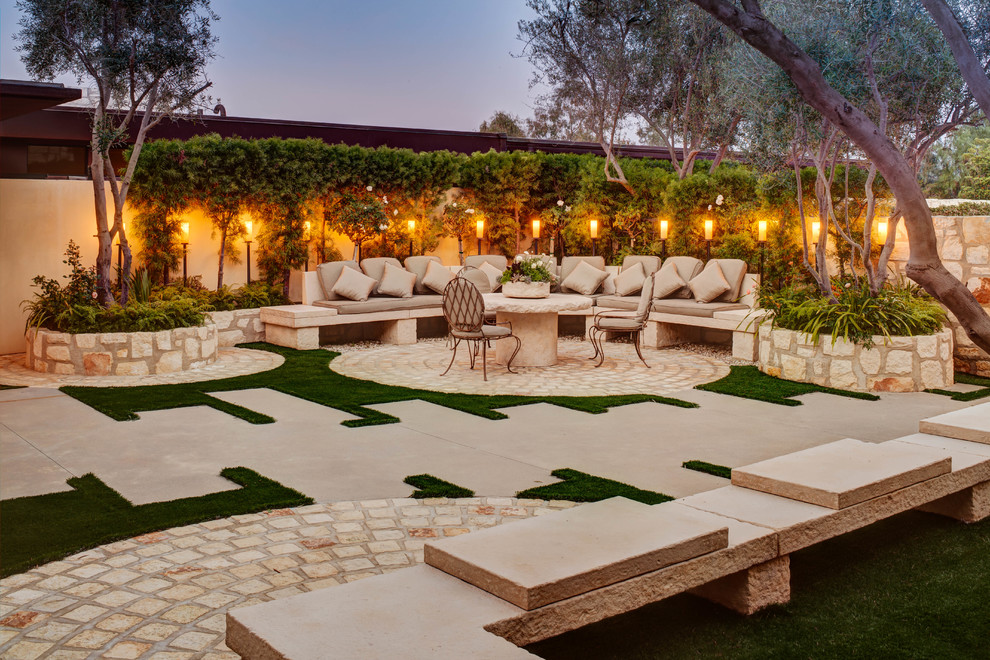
{"x":527,"y":268}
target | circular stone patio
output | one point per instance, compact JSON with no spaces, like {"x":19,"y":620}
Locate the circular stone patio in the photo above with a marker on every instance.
{"x":419,"y":366}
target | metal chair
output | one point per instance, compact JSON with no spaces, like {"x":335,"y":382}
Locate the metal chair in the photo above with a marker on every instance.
{"x":606,"y":322}
{"x":464,"y":309}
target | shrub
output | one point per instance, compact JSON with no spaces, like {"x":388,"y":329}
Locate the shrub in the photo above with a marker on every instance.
{"x":53,"y":299}
{"x":135,"y":317}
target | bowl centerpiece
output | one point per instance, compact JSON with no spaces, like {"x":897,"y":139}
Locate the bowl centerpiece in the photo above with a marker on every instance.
{"x":529,"y":276}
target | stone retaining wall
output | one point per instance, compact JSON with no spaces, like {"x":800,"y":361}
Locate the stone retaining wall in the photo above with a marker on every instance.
{"x":903,"y":364}
{"x":121,"y":353}
{"x":239,"y":326}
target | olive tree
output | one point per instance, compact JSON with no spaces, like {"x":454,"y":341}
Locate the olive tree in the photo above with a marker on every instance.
{"x":147,"y":59}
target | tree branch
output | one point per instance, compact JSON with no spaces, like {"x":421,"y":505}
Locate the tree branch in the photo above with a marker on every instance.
{"x":970,"y":67}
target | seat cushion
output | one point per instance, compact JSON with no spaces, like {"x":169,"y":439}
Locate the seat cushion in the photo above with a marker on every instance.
{"x":618,"y":324}
{"x":382,"y":304}
{"x":397,"y":282}
{"x":693,"y":307}
{"x":667,"y":283}
{"x":497,"y":260}
{"x":375,"y":268}
{"x":418,"y":265}
{"x":709,"y":284}
{"x":353,"y":285}
{"x":493,"y":273}
{"x":437,"y":277}
{"x":734,"y":271}
{"x":495,"y":331}
{"x":584,"y":279}
{"x":687,"y":268}
{"x":629,"y":281}
{"x":649,"y":262}
{"x":328,"y":274}
{"x":617,"y":302}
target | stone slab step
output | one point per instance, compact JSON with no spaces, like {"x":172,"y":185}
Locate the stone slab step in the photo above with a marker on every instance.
{"x":418,"y":612}
{"x":543,"y":560}
{"x":843,"y":473}
{"x":971,"y":424}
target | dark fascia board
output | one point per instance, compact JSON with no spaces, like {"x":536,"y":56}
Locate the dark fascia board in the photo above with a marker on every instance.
{"x":20,"y":97}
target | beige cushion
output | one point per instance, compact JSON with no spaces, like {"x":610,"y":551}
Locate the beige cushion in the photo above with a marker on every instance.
{"x":397,"y":282}
{"x":383,"y":304}
{"x":375,"y":268}
{"x":478,"y":278}
{"x":734,"y":271}
{"x":608,"y":286}
{"x":650,"y":263}
{"x":693,"y":307}
{"x":418,"y":265}
{"x":687,"y":268}
{"x":667,"y":283}
{"x":630,"y":280}
{"x":584,"y":279}
{"x":497,"y":260}
{"x":437,"y":277}
{"x":328,"y":273}
{"x":493,"y":274}
{"x":709,"y":285}
{"x":568,"y":264}
{"x":353,"y":285}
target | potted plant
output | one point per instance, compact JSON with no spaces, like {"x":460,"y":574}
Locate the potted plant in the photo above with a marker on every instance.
{"x":527,"y":277}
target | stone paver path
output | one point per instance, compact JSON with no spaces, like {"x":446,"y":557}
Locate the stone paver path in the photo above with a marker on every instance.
{"x":165,"y":594}
{"x":230,"y":362}
{"x":420,"y":365}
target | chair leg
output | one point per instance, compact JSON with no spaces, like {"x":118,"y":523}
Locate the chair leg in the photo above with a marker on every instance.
{"x":456,"y":342}
{"x":473,"y":352}
{"x":484,"y":359}
{"x":508,"y":365}
{"x":636,"y":336}
{"x":592,"y":334}
{"x":600,"y":336}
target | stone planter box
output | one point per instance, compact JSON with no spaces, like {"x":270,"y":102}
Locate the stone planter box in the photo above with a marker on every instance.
{"x":238,"y":326}
{"x":526,"y":289}
{"x":902,"y":364}
{"x":121,"y":353}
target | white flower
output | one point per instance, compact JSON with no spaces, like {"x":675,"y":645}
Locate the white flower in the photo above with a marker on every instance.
{"x":719,"y":200}
{"x":395,"y":212}
{"x":384,"y":199}
{"x":454,"y":205}
{"x":709,"y":207}
{"x":470,"y":210}
{"x":848,"y":285}
{"x":567,"y":208}
{"x":370,"y":188}
{"x":383,"y":227}
{"x":560,"y":202}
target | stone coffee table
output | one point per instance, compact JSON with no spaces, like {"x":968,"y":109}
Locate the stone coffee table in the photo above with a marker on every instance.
{"x":534,"y":321}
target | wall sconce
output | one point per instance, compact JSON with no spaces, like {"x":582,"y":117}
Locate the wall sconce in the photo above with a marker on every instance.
{"x":593,"y":228}
{"x":882,"y":231}
{"x":480,"y":227}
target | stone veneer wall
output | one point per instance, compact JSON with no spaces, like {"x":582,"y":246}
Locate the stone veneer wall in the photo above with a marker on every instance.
{"x":239,"y":326}
{"x":964,"y":246}
{"x":904,"y":364}
{"x":121,"y":353}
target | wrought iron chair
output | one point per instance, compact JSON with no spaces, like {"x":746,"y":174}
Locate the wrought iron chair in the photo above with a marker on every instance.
{"x":464,"y":309}
{"x":606,"y":322}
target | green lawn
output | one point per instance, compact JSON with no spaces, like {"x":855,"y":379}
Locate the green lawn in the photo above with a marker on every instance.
{"x":39,"y":529}
{"x":708,"y":468}
{"x":969,"y":379}
{"x":427,"y":485}
{"x":913,"y":586}
{"x":580,"y":487}
{"x":749,"y":382}
{"x":305,"y":374}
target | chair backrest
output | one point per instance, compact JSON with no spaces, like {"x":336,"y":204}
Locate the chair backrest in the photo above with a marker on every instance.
{"x":645,"y":300}
{"x":463,"y":306}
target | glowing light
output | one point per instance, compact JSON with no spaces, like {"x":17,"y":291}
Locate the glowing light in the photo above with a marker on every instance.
{"x":185,"y":231}
{"x":412,"y":225}
{"x":815,"y":230}
{"x":709,"y":229}
{"x":308,"y":225}
{"x":481,"y":229}
{"x":249,"y":226}
{"x":663,"y":230}
{"x":882,"y":231}
{"x":536,"y":228}
{"x":593,"y":227}
{"x":762,"y":231}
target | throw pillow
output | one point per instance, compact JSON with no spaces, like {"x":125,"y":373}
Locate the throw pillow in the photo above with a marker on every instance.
{"x":437,"y":276}
{"x":630,"y":280}
{"x":584,"y":279}
{"x":397,"y":282}
{"x":493,"y":274}
{"x":667,"y":283}
{"x":354,"y":285}
{"x":709,"y":285}
{"x":608,"y":286}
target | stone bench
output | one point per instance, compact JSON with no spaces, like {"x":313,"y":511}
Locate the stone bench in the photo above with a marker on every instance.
{"x":541,"y":577}
{"x":298,"y":326}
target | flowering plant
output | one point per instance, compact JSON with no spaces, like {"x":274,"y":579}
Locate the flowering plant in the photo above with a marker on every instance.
{"x":527,"y":268}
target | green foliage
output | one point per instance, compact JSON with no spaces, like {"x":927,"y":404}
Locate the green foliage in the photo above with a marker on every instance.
{"x":976,"y":165}
{"x":53,"y":301}
{"x":502,"y":184}
{"x":141,"y":286}
{"x":133,"y":317}
{"x":857,"y":315}
{"x":503,"y":122}
{"x":248,"y":296}
{"x":748,"y":382}
{"x":580,"y":487}
{"x":708,"y":468}
{"x":39,"y":529}
{"x":427,"y":485}
{"x":965,"y":208}
{"x":527,"y":269}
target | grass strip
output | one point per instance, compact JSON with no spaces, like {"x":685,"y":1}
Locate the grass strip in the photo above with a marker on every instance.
{"x":306,"y":374}
{"x":708,"y":468}
{"x":10,"y":387}
{"x":911,"y":586}
{"x":429,"y":486}
{"x":580,"y":487}
{"x":749,"y":382}
{"x":968,"y":379}
{"x":42,"y":528}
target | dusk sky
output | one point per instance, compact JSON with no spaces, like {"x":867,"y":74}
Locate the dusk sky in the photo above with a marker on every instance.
{"x":419,"y":63}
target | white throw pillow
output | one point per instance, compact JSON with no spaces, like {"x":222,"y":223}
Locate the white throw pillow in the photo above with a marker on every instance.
{"x":397,"y":282}
{"x":667,"y":283}
{"x":354,"y":285}
{"x":437,"y":277}
{"x":709,"y":285}
{"x":493,"y":274}
{"x":630,"y":280}
{"x":608,"y":286}
{"x":584,"y":279}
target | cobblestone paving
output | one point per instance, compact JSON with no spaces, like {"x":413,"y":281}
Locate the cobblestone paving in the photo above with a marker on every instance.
{"x":420,"y":365}
{"x":164,"y":595}
{"x":230,"y":362}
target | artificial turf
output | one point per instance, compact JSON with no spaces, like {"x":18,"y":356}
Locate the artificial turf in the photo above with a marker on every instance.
{"x":42,"y":528}
{"x":968,"y":379}
{"x":427,"y":485}
{"x":708,"y":468}
{"x":10,"y":387}
{"x":580,"y":487}
{"x":306,"y":374}
{"x":912,"y":586}
{"x":749,"y":382}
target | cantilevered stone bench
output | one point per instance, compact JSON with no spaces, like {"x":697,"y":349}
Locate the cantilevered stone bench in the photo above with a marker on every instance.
{"x":298,"y":326}
{"x":773,"y":508}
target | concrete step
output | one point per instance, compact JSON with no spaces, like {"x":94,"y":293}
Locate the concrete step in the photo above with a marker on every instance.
{"x":971,"y":424}
{"x":539,"y":561}
{"x":843,"y":473}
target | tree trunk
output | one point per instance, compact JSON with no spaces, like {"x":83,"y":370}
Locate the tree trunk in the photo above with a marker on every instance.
{"x":969,"y":66}
{"x":104,"y":253}
{"x":223,"y":251}
{"x":924,"y":265}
